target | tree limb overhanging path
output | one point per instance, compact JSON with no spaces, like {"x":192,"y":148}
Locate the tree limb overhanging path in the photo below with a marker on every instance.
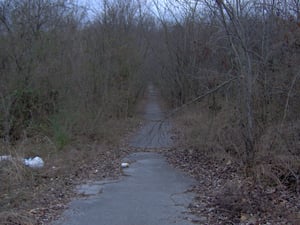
{"x":200,"y":97}
{"x":151,"y":192}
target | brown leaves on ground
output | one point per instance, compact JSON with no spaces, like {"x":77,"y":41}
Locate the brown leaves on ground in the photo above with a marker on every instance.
{"x":14,"y":218}
{"x":225,"y":196}
{"x":37,"y":196}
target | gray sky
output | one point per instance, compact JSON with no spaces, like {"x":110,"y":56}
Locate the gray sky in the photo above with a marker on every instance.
{"x":95,"y":5}
{"x":92,"y":5}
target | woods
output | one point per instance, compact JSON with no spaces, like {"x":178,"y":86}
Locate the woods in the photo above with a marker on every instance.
{"x":64,"y":75}
{"x":58,"y":69}
{"x":255,"y":45}
{"x":229,"y":71}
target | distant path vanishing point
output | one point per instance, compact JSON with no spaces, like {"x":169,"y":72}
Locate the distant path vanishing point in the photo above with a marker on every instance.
{"x":156,"y":133}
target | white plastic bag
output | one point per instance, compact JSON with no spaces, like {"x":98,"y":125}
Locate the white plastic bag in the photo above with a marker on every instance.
{"x":124,"y":165}
{"x":36,"y":162}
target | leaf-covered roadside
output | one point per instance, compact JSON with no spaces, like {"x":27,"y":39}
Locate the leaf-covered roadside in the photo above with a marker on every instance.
{"x":41,"y":195}
{"x":225,"y":196}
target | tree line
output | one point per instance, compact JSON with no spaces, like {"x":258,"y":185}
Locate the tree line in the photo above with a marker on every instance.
{"x":245,"y":56}
{"x":57,"y":67}
{"x":60,"y":70}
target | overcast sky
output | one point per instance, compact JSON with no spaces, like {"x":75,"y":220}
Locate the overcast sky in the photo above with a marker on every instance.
{"x":94,"y":7}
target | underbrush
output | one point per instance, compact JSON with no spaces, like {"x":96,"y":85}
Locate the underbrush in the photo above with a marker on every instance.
{"x":33,"y":196}
{"x":225,"y":196}
{"x":212,"y":150}
{"x":278,"y":156}
{"x":219,"y":135}
{"x":12,"y":218}
{"x":203,"y":130}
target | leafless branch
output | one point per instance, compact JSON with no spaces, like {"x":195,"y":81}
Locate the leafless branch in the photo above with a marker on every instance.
{"x":173,"y":112}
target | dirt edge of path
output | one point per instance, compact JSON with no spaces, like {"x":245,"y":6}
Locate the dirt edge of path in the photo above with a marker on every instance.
{"x":225,"y":196}
{"x":39,"y":196}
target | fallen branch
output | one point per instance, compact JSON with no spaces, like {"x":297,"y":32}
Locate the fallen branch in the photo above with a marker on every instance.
{"x":288,"y":98}
{"x":199,"y":98}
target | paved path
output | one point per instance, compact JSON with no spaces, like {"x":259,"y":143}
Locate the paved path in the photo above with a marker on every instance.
{"x":151,"y":192}
{"x":156,"y":131}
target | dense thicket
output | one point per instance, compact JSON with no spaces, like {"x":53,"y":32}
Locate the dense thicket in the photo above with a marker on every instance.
{"x":254,"y":48}
{"x":60,"y":72}
{"x":64,"y":74}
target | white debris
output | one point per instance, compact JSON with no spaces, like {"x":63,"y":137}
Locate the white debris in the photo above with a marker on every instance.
{"x":36,"y":162}
{"x":5,"y":158}
{"x":124,"y":165}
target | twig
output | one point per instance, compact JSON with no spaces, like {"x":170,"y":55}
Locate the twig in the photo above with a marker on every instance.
{"x":199,"y":98}
{"x":288,"y":98}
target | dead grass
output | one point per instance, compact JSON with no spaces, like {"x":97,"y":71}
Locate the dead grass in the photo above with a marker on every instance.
{"x":225,"y":196}
{"x":212,"y":133}
{"x":278,"y":156}
{"x":112,"y":131}
{"x":218,"y":135}
{"x":13,"y":218}
{"x":35,"y":196}
{"x":211,"y":149}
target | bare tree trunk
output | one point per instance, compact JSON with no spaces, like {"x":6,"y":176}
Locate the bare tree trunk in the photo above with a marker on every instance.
{"x":237,"y":39}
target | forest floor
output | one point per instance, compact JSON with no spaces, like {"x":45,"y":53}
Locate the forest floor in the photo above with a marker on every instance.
{"x":226,"y":196}
{"x":38,"y":196}
{"x":223,"y":194}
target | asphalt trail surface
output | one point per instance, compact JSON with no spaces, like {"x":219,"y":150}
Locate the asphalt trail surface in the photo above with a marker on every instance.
{"x":151,"y":192}
{"x":156,"y":133}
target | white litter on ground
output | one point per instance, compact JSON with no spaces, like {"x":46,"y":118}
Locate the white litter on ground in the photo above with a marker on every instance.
{"x":36,"y":162}
{"x":124,"y":165}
